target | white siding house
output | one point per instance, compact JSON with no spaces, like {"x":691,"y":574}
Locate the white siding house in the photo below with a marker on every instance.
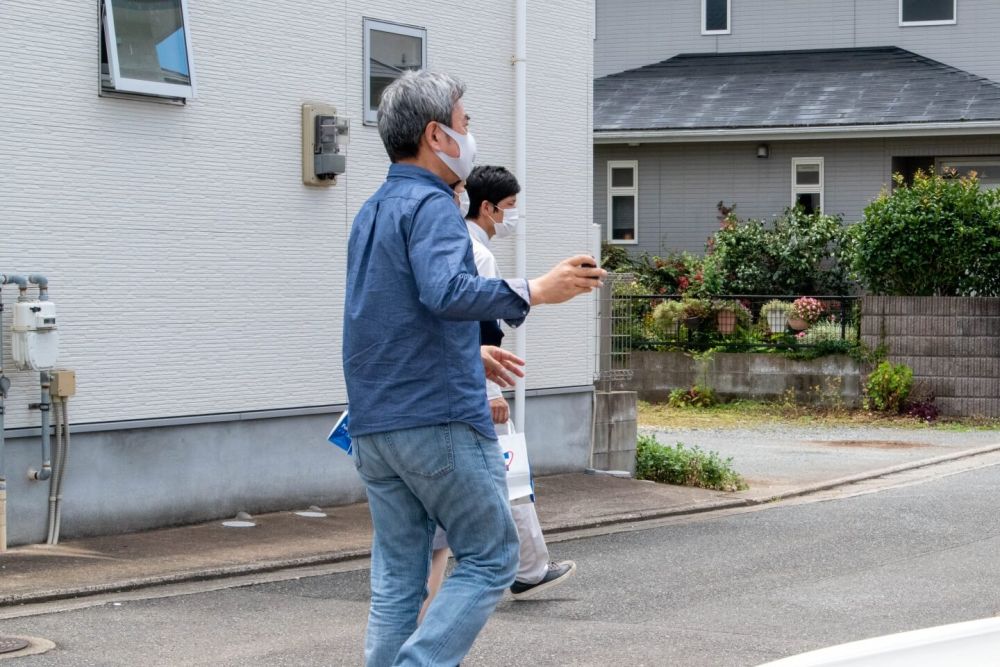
{"x":200,"y":283}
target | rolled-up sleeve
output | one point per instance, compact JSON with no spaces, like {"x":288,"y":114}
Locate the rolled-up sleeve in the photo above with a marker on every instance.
{"x":440,"y":255}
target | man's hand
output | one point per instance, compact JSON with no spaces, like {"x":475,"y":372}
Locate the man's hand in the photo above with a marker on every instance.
{"x":501,"y":365}
{"x":569,"y":278}
{"x":499,"y":410}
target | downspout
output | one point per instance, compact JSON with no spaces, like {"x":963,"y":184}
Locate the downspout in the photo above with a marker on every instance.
{"x":521,"y":171}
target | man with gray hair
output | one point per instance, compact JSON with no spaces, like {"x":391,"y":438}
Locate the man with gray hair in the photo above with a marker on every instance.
{"x":424,"y":442}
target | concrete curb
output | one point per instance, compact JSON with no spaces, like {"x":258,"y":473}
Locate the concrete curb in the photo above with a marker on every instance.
{"x":598,"y":522}
{"x":183,"y":577}
{"x":861,"y":477}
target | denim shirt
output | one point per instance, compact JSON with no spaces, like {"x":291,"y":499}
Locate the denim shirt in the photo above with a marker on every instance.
{"x":412,"y":311}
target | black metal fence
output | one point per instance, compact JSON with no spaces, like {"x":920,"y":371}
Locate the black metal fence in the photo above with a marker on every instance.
{"x":734,"y":322}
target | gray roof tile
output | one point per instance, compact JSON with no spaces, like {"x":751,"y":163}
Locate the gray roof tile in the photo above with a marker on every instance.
{"x":821,"y":88}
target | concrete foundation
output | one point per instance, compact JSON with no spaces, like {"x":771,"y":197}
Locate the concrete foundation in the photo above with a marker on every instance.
{"x":830,"y":379}
{"x":124,"y":480}
{"x":615,"y":431}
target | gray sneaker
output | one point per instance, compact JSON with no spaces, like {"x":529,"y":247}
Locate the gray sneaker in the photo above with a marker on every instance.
{"x":556,"y":574}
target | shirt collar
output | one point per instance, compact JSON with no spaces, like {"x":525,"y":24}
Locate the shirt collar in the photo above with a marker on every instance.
{"x":412,"y":171}
{"x":478,"y":233}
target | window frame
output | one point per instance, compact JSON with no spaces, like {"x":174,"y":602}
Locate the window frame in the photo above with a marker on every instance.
{"x":370,"y":116}
{"x":704,"y":19}
{"x":806,"y":189}
{"x":624,"y":192}
{"x":126,"y":85}
{"x":940,"y":163}
{"x":953,"y":21}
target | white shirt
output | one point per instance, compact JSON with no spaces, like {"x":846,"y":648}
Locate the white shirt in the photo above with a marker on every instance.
{"x":486,"y":265}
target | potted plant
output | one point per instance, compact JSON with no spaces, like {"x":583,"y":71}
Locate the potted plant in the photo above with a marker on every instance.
{"x":667,"y":317}
{"x":730,"y":314}
{"x":775,"y":313}
{"x":805,"y":311}
{"x":695,"y":311}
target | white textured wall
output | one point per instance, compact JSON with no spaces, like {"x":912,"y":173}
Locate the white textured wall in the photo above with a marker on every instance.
{"x":193,"y":271}
{"x":633,"y":33}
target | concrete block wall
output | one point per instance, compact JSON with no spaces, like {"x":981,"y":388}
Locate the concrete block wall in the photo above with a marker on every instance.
{"x":951,"y":343}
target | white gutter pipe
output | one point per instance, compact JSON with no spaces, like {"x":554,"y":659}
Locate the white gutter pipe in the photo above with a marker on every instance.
{"x":521,"y":171}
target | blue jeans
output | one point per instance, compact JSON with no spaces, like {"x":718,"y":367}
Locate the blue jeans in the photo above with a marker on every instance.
{"x":416,"y":478}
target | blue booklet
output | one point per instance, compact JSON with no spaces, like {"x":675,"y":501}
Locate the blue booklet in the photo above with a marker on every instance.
{"x":339,"y":435}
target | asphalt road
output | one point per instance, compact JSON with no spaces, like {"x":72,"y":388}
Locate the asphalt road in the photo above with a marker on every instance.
{"x":732,"y":590}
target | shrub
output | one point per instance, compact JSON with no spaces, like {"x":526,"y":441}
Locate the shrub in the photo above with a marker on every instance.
{"x":925,"y":410}
{"x":799,"y":254}
{"x":888,"y":387}
{"x":698,"y":396}
{"x":823,"y":332}
{"x":935,"y":237}
{"x":615,"y":259}
{"x":685,"y":466}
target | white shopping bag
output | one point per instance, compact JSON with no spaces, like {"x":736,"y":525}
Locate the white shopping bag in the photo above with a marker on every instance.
{"x":515,"y":457}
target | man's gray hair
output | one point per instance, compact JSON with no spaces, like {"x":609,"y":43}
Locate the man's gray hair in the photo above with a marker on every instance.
{"x":409,"y":103}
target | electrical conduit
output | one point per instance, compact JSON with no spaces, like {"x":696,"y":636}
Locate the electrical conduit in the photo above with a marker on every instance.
{"x":60,"y":409}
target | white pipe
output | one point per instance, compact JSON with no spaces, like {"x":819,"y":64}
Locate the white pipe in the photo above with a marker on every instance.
{"x":56,"y":465}
{"x":521,"y":171}
{"x":64,"y":413}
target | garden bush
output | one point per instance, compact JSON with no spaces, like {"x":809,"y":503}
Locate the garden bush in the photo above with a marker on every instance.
{"x":888,"y":387}
{"x":698,"y":396}
{"x":800,"y":253}
{"x":685,"y":466}
{"x":823,"y":332}
{"x":939,"y":236}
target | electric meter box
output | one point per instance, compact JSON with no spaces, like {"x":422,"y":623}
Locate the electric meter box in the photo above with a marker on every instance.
{"x":35,"y":339}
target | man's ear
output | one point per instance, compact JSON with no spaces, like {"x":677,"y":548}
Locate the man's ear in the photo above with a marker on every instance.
{"x":438,"y":140}
{"x":485,"y":208}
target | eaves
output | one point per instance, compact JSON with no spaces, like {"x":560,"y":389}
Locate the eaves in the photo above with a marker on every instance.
{"x":895,"y":130}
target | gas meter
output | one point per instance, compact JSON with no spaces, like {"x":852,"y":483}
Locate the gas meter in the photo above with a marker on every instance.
{"x":35,"y":340}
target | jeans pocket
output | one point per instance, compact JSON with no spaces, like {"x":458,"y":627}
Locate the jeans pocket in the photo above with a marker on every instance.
{"x":426,"y":451}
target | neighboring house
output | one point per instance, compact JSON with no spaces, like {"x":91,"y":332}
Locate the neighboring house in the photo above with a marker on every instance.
{"x":769,"y":103}
{"x":200,"y":284}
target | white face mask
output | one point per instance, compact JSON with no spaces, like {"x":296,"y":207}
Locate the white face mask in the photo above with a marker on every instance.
{"x":463,"y":203}
{"x":461,"y":165}
{"x":508,"y":226}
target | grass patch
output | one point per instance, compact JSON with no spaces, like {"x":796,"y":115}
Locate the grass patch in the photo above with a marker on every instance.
{"x":686,"y":466}
{"x":743,"y":414}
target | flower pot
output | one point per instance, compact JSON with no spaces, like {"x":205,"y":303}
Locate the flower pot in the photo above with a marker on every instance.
{"x":798,"y":324}
{"x":776,"y":320}
{"x":692,"y":323}
{"x":726,"y":322}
